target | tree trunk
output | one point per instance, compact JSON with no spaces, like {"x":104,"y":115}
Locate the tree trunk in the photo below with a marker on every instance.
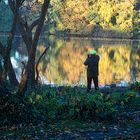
{"x":7,"y":67}
{"x":0,"y":68}
{"x":12,"y":76}
{"x":10,"y":72}
{"x":28,"y":79}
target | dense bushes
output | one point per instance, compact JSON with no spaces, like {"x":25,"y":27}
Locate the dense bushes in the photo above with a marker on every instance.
{"x":135,"y":86}
{"x":95,"y":106}
{"x":50,"y":104}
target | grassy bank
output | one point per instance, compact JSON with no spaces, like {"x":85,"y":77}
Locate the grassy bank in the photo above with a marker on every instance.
{"x":56,"y":111}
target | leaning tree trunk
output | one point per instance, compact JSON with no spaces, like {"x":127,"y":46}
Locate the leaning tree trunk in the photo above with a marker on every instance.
{"x":28,"y":78}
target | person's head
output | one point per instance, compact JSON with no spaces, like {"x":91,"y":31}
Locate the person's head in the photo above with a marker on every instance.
{"x":92,"y":52}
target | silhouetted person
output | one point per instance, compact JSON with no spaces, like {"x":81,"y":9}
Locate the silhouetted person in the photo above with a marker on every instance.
{"x":92,"y":62}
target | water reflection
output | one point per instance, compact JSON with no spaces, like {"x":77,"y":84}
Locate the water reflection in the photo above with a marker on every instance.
{"x":120,"y":61}
{"x":63,"y":62}
{"x":114,"y":64}
{"x":117,"y":63}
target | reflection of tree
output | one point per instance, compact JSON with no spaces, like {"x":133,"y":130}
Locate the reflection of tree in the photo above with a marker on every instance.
{"x":135,"y":60}
{"x":114,"y":64}
{"x":66,"y":62}
{"x":72,"y":57}
{"x":63,"y":63}
{"x":48,"y":66}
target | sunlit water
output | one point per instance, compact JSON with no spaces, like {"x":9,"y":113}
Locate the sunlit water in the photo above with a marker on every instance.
{"x":63,"y":62}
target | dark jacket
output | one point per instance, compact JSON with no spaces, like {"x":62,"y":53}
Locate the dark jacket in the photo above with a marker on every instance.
{"x":92,"y":62}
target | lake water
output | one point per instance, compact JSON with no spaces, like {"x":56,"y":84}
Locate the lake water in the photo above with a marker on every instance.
{"x":63,"y":62}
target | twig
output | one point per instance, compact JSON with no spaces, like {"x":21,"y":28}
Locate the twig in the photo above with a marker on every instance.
{"x":37,"y":73}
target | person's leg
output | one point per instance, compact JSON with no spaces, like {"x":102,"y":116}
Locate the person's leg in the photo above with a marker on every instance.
{"x":89,"y":80}
{"x":95,"y":80}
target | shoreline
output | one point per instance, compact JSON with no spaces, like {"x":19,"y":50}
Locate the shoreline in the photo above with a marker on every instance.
{"x":80,"y":36}
{"x":93,"y":37}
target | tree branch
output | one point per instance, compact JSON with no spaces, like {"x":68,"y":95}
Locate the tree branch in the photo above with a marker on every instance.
{"x":37,"y":73}
{"x":35,"y":23}
{"x":25,"y":36}
{"x":24,"y":29}
{"x":13,"y":30}
{"x":41,"y":22}
{"x":22,"y":1}
{"x":11,"y":4}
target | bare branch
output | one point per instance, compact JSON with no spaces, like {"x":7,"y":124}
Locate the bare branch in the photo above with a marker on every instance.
{"x":37,"y":73}
{"x":25,"y":36}
{"x":35,"y":23}
{"x":22,"y":1}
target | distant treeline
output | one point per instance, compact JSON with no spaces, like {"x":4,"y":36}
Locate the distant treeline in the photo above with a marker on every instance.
{"x":94,"y":18}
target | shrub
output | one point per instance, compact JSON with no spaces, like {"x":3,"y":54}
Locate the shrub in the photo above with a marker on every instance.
{"x":50,"y":104}
{"x":135,"y":86}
